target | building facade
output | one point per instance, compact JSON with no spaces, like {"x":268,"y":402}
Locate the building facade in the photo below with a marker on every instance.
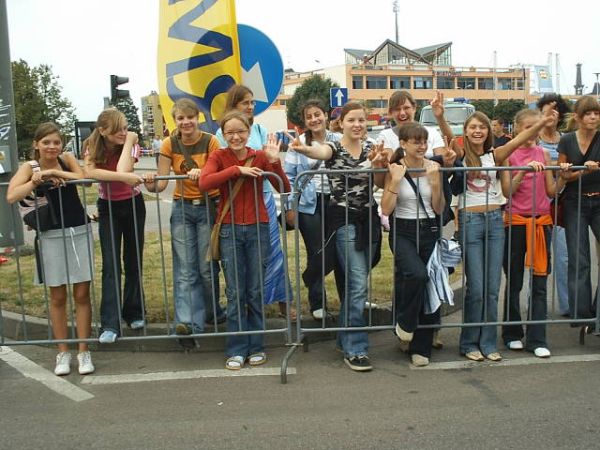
{"x":371,"y":76}
{"x":153,"y":123}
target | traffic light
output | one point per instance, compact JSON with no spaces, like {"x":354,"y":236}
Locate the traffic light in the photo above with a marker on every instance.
{"x":115,"y":82}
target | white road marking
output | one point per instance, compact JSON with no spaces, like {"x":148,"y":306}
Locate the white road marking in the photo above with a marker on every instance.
{"x":31,"y":370}
{"x":457,"y":365}
{"x":183,"y":375}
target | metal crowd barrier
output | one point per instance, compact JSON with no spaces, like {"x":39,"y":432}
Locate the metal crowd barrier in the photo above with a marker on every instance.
{"x":24,"y":336}
{"x":294,"y":335}
{"x":303,"y":331}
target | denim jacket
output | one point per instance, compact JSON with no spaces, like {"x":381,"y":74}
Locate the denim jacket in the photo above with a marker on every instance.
{"x":295,"y":163}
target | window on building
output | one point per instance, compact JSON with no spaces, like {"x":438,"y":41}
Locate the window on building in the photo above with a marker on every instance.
{"x":485,"y":83}
{"x":283,"y":102}
{"x":422,"y":83}
{"x":518,"y":84}
{"x":445,"y":83}
{"x":504,"y":84}
{"x":377,"y":103}
{"x":357,"y":82}
{"x":465,"y":83}
{"x":376,"y":82}
{"x":399,"y":82}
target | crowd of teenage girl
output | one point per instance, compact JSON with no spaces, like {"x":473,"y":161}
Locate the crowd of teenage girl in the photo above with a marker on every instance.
{"x":503,"y":221}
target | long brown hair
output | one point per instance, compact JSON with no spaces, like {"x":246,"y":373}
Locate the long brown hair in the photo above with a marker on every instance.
{"x":311,"y":103}
{"x":472,"y":158}
{"x":235,"y":95}
{"x":43,"y":130}
{"x":582,"y":106}
{"x":111,"y":120}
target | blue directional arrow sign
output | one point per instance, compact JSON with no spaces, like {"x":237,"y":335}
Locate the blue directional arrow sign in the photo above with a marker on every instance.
{"x":262,"y":66}
{"x":338,"y":97}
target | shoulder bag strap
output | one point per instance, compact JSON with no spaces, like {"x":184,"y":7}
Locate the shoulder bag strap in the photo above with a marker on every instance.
{"x":414,"y":186}
{"x":201,"y":145}
{"x":236,"y":187}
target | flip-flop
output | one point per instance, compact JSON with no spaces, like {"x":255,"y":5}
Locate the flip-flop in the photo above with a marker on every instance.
{"x":256,"y":359}
{"x":234,"y":363}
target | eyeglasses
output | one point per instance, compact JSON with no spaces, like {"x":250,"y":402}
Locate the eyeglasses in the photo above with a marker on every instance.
{"x":417,"y":143}
{"x":240,"y":133}
{"x":248,"y":103}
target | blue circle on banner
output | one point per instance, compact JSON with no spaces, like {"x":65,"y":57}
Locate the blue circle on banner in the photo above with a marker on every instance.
{"x":262,"y":66}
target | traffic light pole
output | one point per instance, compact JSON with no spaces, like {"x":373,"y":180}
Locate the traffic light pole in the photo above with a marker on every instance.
{"x":9,"y":159}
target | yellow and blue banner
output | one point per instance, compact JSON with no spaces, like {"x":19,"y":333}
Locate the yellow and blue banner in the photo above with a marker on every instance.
{"x":198,"y":56}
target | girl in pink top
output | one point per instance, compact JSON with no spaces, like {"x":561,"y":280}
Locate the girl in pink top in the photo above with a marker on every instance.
{"x":528,"y":235}
{"x":110,"y":153}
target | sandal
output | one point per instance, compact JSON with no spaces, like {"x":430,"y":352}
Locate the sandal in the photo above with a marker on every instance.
{"x":256,"y":359}
{"x":234,"y":363}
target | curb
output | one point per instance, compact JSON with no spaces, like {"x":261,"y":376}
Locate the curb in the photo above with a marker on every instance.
{"x":155,"y":338}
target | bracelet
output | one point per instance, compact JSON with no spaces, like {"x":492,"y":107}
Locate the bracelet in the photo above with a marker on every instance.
{"x":395,"y":193}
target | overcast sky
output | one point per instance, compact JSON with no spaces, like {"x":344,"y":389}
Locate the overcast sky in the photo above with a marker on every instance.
{"x":87,"y":40}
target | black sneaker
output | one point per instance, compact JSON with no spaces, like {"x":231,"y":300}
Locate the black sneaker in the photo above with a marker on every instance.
{"x":360,"y":363}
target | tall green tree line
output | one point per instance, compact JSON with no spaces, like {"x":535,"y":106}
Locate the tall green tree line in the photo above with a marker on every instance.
{"x":38,"y":98}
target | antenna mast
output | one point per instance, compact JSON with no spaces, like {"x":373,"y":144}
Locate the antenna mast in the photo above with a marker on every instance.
{"x":396,"y":9}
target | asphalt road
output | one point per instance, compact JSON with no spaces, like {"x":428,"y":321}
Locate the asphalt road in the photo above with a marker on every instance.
{"x":522,"y":402}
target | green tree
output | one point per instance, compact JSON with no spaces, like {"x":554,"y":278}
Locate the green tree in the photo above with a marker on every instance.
{"x":313,"y":87}
{"x":38,"y":98}
{"x":126,"y":106}
{"x":506,"y":109}
{"x":484,"y":106}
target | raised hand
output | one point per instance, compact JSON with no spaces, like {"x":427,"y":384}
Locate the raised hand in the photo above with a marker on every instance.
{"x":449,"y":155}
{"x":437,"y":105}
{"x":272,"y":147}
{"x":550,"y":116}
{"x":378,"y":156}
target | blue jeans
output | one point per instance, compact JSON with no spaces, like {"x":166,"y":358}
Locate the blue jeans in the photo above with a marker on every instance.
{"x":244,"y":255}
{"x":581,"y":300}
{"x":483,"y":251}
{"x":355,"y":264}
{"x":560,"y":269}
{"x":112,"y":233}
{"x":195,"y":280}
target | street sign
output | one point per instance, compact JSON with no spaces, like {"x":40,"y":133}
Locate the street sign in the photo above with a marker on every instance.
{"x":262,"y":66}
{"x":338,"y":97}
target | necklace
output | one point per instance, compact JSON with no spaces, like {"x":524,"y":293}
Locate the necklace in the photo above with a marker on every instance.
{"x":552,"y":139}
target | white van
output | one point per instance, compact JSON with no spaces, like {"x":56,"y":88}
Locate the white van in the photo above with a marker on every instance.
{"x":455,"y":113}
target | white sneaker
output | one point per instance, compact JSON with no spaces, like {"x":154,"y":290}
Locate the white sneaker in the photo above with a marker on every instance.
{"x":107,"y":337}
{"x":318,"y":314}
{"x":419,"y":360}
{"x":63,"y":364}
{"x":405,"y":336}
{"x":515,"y":345}
{"x":85,"y":363}
{"x":542,"y":352}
